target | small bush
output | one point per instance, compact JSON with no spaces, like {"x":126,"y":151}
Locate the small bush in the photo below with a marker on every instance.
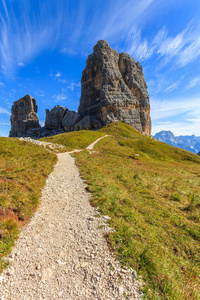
{"x":79,"y":127}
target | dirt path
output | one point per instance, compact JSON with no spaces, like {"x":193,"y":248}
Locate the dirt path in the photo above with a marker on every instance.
{"x":91,"y":146}
{"x":62,"y":253}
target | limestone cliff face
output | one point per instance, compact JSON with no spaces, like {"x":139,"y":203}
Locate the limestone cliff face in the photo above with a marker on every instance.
{"x":24,"y":116}
{"x":113,"y":88}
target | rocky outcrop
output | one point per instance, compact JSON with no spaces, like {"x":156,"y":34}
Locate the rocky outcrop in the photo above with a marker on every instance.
{"x":69,"y":120}
{"x":24,"y":116}
{"x":113,"y":88}
{"x":61,"y":118}
{"x":53,"y":120}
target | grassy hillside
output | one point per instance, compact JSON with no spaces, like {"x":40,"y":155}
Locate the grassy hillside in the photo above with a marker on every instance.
{"x":151,"y":191}
{"x":23,"y":170}
{"x":75,"y":140}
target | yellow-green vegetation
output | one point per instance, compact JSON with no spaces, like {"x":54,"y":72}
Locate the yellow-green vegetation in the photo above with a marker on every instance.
{"x":75,"y":140}
{"x":151,"y":191}
{"x":24,"y":168}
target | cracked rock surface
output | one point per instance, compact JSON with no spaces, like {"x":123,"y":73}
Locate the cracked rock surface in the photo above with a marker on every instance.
{"x":62,"y":252}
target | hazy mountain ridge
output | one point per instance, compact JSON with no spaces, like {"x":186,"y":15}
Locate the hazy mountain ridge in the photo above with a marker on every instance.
{"x":188,"y":142}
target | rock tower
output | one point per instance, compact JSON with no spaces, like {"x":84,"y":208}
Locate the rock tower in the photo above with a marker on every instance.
{"x":24,"y":116}
{"x":113,"y":88}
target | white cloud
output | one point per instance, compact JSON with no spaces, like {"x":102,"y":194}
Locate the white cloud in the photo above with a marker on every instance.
{"x":72,"y":85}
{"x":181,"y":116}
{"x":58,"y":74}
{"x":169,"y":45}
{"x":139,"y":49}
{"x":4,"y":111}
{"x":21,"y":64}
{"x":2,"y":84}
{"x":185,"y":46}
{"x":101,"y":20}
{"x":178,"y":128}
{"x":63,"y":80}
{"x":174,"y":85}
{"x":193,"y":82}
{"x":42,"y":123}
{"x":190,"y":53}
{"x":4,"y":123}
{"x":161,"y":109}
{"x":61,"y":97}
{"x":30,"y":30}
{"x":34,"y":26}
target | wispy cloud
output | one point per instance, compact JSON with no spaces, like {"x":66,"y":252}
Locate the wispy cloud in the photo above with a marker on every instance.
{"x":42,"y":123}
{"x":161,"y":109}
{"x":140,"y":48}
{"x":193,"y":82}
{"x":5,"y":123}
{"x":21,"y":64}
{"x":29,"y":30}
{"x":181,"y":116}
{"x":73,"y":85}
{"x":184,"y":47}
{"x":174,"y":85}
{"x":61,"y":97}
{"x":58,"y":74}
{"x":107,"y":21}
{"x":34,"y":26}
{"x":4,"y":111}
{"x":177,"y":128}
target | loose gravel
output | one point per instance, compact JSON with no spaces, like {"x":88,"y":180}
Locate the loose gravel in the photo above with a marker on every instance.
{"x":62,"y":253}
{"x":52,"y":147}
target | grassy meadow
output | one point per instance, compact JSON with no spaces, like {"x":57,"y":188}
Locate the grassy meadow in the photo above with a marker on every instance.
{"x":24,"y":168}
{"x":74,"y":140}
{"x":151,"y":191}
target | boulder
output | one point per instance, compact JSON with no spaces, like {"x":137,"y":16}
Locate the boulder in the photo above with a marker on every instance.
{"x":24,"y":116}
{"x":84,"y":123}
{"x":69,"y":120}
{"x":54,"y":117}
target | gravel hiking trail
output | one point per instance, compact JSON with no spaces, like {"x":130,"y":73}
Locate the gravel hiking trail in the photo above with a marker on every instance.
{"x":62,"y":253}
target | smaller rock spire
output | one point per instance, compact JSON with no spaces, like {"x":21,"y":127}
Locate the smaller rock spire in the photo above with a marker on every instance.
{"x":24,"y":116}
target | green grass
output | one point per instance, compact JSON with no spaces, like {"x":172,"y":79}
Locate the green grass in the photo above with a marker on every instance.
{"x":24,"y":168}
{"x":151,"y":191}
{"x":74,"y":140}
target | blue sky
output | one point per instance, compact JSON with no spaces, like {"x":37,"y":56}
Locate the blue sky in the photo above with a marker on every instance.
{"x":44,"y":45}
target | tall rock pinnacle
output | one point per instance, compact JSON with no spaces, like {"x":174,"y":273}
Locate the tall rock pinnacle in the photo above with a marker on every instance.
{"x":113,"y":88}
{"x":24,"y":116}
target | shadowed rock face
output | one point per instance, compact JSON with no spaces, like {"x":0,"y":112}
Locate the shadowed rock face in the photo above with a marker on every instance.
{"x":24,"y":116}
{"x":60,"y":117}
{"x":113,"y":88}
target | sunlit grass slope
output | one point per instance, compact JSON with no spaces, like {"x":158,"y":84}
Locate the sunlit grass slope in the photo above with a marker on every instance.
{"x":23,"y":170}
{"x":151,"y":191}
{"x":76,"y":139}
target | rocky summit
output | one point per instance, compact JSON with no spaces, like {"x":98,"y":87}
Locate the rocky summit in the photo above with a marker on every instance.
{"x":24,"y":116}
{"x":113,"y":88}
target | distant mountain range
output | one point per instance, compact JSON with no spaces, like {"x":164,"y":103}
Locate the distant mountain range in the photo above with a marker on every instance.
{"x":188,"y":142}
